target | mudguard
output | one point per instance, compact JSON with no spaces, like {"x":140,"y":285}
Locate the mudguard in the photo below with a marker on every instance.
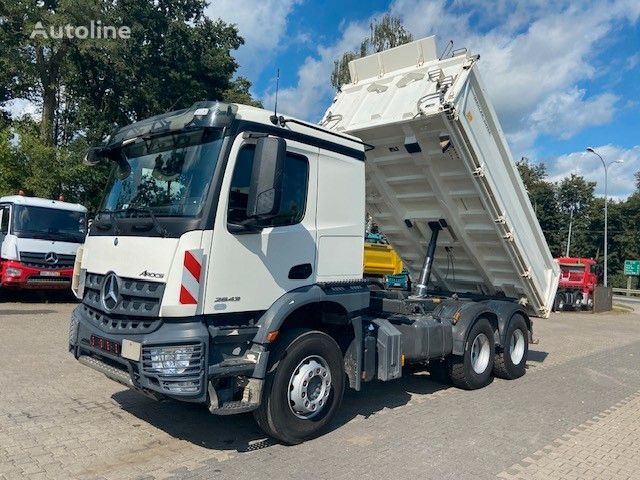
{"x":353,"y":297}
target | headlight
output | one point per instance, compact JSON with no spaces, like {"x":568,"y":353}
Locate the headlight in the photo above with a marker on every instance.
{"x":13,"y":272}
{"x":171,"y":360}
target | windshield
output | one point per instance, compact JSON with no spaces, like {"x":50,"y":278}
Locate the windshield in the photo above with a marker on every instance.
{"x":49,"y":224}
{"x":576,"y":268}
{"x":170,"y":174}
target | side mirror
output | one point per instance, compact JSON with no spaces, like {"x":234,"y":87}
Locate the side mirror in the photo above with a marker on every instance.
{"x":598,"y":270}
{"x":265,"y":191}
{"x":93,"y":156}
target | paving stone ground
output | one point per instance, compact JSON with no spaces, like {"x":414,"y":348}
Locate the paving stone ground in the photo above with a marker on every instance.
{"x":575,"y":415}
{"x":604,"y":447}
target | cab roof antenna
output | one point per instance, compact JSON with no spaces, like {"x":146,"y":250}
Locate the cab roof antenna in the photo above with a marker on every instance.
{"x":274,"y":117}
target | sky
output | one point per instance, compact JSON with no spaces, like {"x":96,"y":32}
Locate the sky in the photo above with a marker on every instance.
{"x":562,"y":75}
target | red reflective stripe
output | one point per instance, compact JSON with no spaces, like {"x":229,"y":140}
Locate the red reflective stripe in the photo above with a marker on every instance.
{"x":186,"y":298}
{"x":191,"y":264}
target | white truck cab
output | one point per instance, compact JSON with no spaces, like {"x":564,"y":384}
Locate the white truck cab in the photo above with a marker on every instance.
{"x":225,"y":267}
{"x":39,"y":239}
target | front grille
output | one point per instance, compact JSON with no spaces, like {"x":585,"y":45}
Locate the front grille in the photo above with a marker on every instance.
{"x":112,"y":324}
{"x":37,"y":260}
{"x":139,"y":298}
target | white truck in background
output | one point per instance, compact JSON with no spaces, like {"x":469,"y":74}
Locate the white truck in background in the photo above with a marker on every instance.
{"x":39,"y":239}
{"x":226,"y":265}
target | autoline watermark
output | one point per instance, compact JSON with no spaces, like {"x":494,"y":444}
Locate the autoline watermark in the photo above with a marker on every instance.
{"x":95,"y":30}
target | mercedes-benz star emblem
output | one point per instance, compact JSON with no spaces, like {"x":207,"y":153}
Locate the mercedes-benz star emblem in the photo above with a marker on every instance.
{"x":51,"y":258}
{"x":110,"y":292}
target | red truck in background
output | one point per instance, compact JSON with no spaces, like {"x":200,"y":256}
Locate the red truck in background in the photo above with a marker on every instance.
{"x":39,"y":239}
{"x":578,"y":279}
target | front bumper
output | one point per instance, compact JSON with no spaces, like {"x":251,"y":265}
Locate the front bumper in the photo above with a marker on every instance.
{"x":217,"y":353}
{"x":33,"y":277}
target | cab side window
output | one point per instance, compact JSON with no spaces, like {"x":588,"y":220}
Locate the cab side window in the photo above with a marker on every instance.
{"x":4,"y":219}
{"x":294,"y":192}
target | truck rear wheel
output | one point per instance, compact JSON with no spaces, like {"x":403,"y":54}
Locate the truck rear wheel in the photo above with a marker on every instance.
{"x":303,"y":387}
{"x":512,"y":361}
{"x":473,"y":369}
{"x":559,"y":304}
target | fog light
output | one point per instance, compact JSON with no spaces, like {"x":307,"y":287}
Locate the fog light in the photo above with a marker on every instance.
{"x":13,"y":272}
{"x":171,"y":360}
{"x":182,"y":387}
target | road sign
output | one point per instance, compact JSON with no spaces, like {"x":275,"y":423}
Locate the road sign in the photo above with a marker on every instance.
{"x":632,"y":268}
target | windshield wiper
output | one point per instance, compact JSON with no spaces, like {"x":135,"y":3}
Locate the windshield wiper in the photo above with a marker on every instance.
{"x":159,"y":228}
{"x":111,"y":213}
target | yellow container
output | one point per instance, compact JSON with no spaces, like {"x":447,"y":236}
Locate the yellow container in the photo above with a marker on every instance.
{"x":380,"y":259}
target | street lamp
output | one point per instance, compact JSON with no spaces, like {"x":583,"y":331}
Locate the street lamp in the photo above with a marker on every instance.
{"x":606,"y":201}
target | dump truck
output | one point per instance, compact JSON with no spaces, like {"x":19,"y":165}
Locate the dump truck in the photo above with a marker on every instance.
{"x":38,"y":242}
{"x":382,"y":266}
{"x":225,"y":267}
{"x":578,"y":280}
{"x":380,"y":258}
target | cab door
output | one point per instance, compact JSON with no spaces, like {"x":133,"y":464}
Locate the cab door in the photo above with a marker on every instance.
{"x":249,"y":270}
{"x":5,"y":210}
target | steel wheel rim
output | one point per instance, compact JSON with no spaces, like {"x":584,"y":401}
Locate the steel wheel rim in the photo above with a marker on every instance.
{"x":480,"y":353}
{"x":516,"y":348}
{"x":309,"y":387}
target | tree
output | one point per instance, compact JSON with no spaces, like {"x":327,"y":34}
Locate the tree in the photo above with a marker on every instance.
{"x":624,"y":228}
{"x":238,"y":92}
{"x":575,"y":199}
{"x":175,"y":56}
{"x":386,"y":34}
{"x":543,"y":198}
{"x":10,"y":167}
{"x":85,"y":88}
{"x":574,"y":192}
{"x":27,"y":163}
{"x":34,"y":65}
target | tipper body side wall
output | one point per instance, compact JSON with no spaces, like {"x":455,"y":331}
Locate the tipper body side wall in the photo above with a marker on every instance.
{"x":440,"y":153}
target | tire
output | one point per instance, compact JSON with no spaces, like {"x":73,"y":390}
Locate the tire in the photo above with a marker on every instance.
{"x":511,"y":362}
{"x":300,"y":352}
{"x":561,"y":304}
{"x":465,"y":371}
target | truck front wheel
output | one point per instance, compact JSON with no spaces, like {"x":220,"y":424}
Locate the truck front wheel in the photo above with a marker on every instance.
{"x":511,"y":362}
{"x":303,"y":387}
{"x":473,"y":369}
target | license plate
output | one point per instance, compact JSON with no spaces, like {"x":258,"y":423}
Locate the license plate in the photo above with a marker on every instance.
{"x":49,"y":274}
{"x":104,"y":344}
{"x":131,"y":350}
